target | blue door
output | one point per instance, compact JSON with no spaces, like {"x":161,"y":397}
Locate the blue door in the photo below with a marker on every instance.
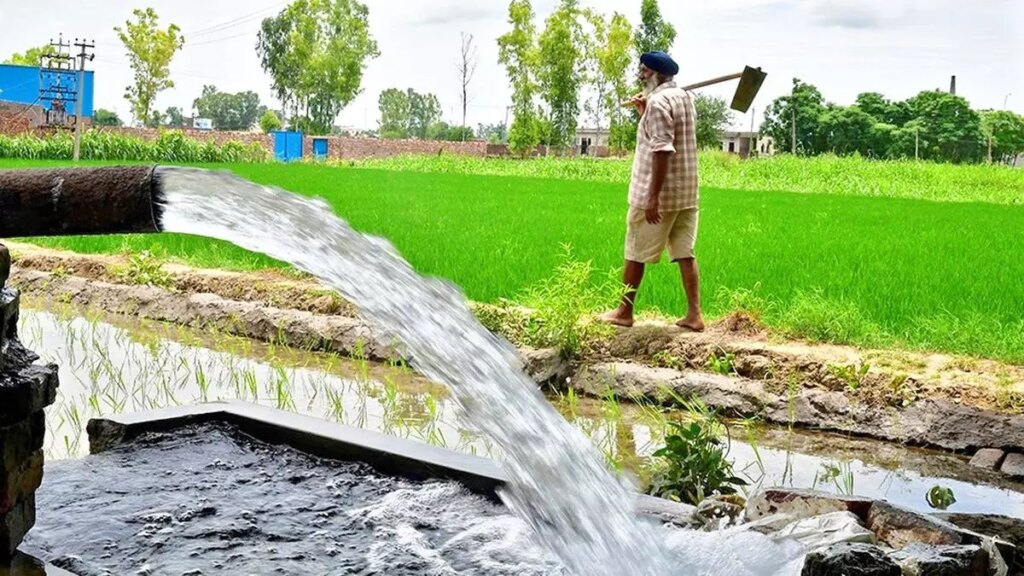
{"x":287,"y":145}
{"x":319,"y":148}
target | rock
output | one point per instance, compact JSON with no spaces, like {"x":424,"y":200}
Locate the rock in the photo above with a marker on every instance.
{"x":850,"y":560}
{"x":545,"y":365}
{"x":20,"y":482}
{"x":804,"y":504}
{"x":899,"y":527}
{"x":826,"y":530}
{"x":989,"y":458}
{"x":1013,"y":465}
{"x":1003,"y":527}
{"x":923,"y":560}
{"x":753,"y":366}
{"x":717,"y":513}
{"x":667,"y":511}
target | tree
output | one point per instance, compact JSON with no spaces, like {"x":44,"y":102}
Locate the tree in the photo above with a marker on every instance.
{"x":228,"y":111}
{"x":846,"y":130}
{"x":466,"y":67}
{"x":104,"y":117}
{"x":424,"y":112}
{"x":269,"y":121}
{"x":155,"y":119}
{"x":316,"y":52}
{"x":561,"y":70}
{"x":150,"y":51}
{"x":517,"y":51}
{"x":654,"y":32}
{"x":951,"y":129}
{"x":394,"y":114}
{"x":175,"y":119}
{"x":713,"y":117}
{"x":447,"y":132}
{"x":492,"y":133}
{"x":1007,"y":132}
{"x":409,"y":114}
{"x":806,"y":102}
{"x":613,"y":55}
{"x":31,"y":57}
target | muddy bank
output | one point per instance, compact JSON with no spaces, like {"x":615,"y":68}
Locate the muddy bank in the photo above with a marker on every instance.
{"x":933,"y":400}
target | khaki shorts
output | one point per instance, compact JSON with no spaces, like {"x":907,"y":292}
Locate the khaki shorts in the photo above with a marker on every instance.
{"x":676,"y":232}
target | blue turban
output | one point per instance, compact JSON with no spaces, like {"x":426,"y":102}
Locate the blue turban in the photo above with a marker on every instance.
{"x":660,"y":62}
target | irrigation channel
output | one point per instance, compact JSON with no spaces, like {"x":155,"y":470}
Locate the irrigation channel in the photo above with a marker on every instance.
{"x":111,"y":364}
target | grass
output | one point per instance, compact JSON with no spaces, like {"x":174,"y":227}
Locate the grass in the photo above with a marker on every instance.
{"x":866,"y":270}
{"x":841,"y":176}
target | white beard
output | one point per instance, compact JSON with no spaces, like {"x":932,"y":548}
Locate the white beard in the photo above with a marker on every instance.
{"x":650,"y":84}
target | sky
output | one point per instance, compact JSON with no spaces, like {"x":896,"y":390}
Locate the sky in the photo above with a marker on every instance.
{"x":845,"y":47}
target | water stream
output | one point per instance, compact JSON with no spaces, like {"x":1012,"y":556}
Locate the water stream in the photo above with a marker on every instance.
{"x":559,"y":483}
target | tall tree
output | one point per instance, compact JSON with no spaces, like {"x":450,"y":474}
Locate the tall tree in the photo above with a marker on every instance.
{"x":228,"y":111}
{"x":395,"y":116}
{"x":952,"y":130}
{"x":150,"y":51}
{"x":517,"y":51}
{"x":654,"y":32}
{"x":713,"y":117}
{"x":424,"y":112}
{"x":805,"y":104}
{"x":316,"y":52}
{"x":467,"y":68}
{"x":561,"y":69}
{"x":31,"y":56}
{"x":614,"y":56}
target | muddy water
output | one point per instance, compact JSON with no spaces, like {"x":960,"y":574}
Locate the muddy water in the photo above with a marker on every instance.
{"x":110,"y":364}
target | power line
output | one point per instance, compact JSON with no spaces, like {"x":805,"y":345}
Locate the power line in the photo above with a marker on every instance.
{"x":233,"y":22}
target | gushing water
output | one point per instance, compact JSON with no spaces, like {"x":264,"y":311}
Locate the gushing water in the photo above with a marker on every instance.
{"x":558,"y":483}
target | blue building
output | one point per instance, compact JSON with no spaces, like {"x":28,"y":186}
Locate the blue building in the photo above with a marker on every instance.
{"x":21,"y":85}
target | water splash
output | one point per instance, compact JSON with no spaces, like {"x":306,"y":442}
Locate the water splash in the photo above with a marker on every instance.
{"x":558,"y":482}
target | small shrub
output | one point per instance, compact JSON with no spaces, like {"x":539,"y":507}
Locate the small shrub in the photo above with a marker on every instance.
{"x":852,"y":374}
{"x":693,"y":465}
{"x":724,"y":364}
{"x":563,"y":306}
{"x":145,"y":269}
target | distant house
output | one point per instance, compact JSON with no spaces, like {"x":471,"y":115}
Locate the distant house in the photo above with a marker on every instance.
{"x":748,"y":143}
{"x":591,"y":141}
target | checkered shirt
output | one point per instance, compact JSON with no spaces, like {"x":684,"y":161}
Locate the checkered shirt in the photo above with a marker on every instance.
{"x":668,"y":125}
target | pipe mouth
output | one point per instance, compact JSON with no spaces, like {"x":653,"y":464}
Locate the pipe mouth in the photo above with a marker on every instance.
{"x":157,"y":197}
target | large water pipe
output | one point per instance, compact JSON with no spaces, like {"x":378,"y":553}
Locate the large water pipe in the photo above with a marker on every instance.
{"x":79,"y":201}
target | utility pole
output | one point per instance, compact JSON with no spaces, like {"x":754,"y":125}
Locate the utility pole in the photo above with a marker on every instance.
{"x":83,"y":55}
{"x":56,"y":88}
{"x":1005,"y":99}
{"x":794,"y":131}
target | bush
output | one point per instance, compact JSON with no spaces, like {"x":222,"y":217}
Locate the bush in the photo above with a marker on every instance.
{"x":693,"y":465}
{"x":269,"y":121}
{"x":170,"y":146}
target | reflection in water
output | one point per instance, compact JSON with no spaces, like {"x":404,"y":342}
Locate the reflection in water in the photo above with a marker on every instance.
{"x":138,"y":365}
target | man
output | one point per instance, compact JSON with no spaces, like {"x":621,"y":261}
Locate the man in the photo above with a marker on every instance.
{"x":663,"y":196}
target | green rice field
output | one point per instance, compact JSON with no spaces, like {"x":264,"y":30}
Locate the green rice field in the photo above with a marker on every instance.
{"x":873,"y":265}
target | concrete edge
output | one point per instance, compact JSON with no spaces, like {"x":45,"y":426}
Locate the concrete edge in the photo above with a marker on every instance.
{"x":336,"y":441}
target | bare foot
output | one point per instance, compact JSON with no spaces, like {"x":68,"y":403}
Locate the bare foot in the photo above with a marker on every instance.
{"x":692,"y":324}
{"x":617,"y":318}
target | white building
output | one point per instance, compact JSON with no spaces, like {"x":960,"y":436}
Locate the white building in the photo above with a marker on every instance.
{"x":747,"y":143}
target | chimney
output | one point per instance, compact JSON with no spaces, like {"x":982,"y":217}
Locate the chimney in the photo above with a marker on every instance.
{"x":952,"y":85}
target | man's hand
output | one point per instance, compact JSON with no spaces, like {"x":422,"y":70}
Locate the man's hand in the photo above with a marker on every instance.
{"x":640,"y":102}
{"x":651,"y":214}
